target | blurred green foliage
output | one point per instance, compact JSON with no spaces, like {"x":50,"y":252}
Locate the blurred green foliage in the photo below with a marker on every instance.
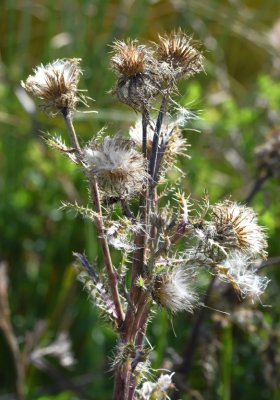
{"x":238,"y":103}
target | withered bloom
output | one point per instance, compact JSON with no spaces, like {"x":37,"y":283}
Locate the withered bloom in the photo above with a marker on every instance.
{"x":120,"y":169}
{"x":178,"y":56}
{"x":172,"y":290}
{"x":268,"y":154}
{"x":236,"y":227}
{"x":56,"y":84}
{"x":138,"y":79}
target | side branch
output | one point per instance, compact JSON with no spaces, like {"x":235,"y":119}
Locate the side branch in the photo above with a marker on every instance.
{"x":112,"y":275}
{"x":113,"y":279}
{"x":70,"y":128}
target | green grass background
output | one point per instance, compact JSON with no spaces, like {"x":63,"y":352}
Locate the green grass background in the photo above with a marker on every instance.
{"x":237,"y":100}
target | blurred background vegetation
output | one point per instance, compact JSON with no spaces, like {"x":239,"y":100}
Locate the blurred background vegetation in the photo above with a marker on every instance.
{"x":237,"y":100}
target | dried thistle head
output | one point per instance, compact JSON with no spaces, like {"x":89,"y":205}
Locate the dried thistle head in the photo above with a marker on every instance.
{"x":119,"y":168}
{"x":268,"y":154}
{"x":138,"y":78}
{"x":236,"y":227}
{"x":177,"y":52}
{"x":129,"y":58}
{"x":172,"y":290}
{"x":56,"y":84}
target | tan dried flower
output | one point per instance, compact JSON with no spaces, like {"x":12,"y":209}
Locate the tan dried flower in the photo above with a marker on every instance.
{"x":179,"y":56}
{"x":172,"y":290}
{"x":236,"y":227}
{"x":268,"y":154}
{"x":138,"y":79}
{"x":120,"y":169}
{"x":56,"y":84}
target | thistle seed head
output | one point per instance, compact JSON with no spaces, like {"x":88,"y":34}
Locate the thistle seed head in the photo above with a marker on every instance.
{"x":172,"y":290}
{"x":268,"y":154}
{"x":178,"y":55}
{"x":236,"y":227}
{"x":56,"y":84}
{"x":138,"y":78}
{"x":129,"y":58}
{"x":119,"y":168}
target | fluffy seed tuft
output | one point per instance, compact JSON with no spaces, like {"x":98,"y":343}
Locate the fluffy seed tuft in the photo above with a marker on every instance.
{"x":241,"y":273}
{"x":120,"y":169}
{"x":172,"y":290}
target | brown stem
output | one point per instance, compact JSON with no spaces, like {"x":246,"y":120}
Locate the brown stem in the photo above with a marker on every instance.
{"x":154,"y":155}
{"x":112,"y":275}
{"x":180,"y":232}
{"x":70,"y":128}
{"x":122,"y":382}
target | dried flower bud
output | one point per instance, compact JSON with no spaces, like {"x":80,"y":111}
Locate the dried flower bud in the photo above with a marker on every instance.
{"x":120,"y":169}
{"x":236,"y":227}
{"x":268,"y":154}
{"x":56,"y":84}
{"x":178,"y":57}
{"x":139,"y":81}
{"x":239,"y":271}
{"x":172,"y":290}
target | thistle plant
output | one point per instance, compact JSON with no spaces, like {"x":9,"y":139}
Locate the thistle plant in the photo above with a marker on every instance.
{"x":137,"y":211}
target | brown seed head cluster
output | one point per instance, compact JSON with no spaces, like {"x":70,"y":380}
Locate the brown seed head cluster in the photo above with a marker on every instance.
{"x":56,"y":84}
{"x":179,"y":53}
{"x":268,"y":154}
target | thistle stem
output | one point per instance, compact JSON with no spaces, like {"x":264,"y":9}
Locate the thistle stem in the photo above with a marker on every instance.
{"x":161,"y":114}
{"x":113,"y":280}
{"x":144,"y":133}
{"x":71,"y":130}
{"x":112,"y":275}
